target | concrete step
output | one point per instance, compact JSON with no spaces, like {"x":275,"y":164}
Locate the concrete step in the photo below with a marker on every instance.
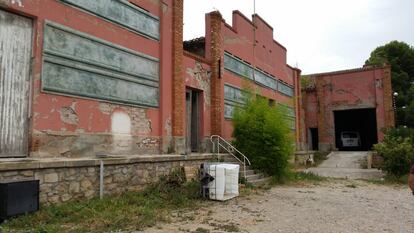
{"x":248,"y":172}
{"x":228,"y":159}
{"x":258,"y":182}
{"x":254,"y":177}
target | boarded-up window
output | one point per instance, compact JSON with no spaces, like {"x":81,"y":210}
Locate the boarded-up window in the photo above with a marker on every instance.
{"x":15,"y":53}
{"x":245,"y":70}
{"x":79,"y":64}
{"x":233,"y":97}
{"x":122,"y":13}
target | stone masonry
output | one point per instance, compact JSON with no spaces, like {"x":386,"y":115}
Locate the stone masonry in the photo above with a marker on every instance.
{"x":62,"y":181}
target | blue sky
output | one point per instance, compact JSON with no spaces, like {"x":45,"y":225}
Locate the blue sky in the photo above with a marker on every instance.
{"x":320,"y":35}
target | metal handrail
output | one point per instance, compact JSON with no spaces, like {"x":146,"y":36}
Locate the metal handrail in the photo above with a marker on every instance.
{"x":226,"y":147}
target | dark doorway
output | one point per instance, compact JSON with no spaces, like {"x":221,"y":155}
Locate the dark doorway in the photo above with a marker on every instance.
{"x":193,"y":120}
{"x":355,"y":129}
{"x":314,"y":138}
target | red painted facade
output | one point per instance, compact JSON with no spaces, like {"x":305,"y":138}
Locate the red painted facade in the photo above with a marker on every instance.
{"x":364,"y":88}
{"x":266,"y":55}
{"x":94,"y":117}
{"x":73,"y":126}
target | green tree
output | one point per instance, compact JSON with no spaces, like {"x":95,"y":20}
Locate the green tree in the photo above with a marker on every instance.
{"x":263,"y":134}
{"x":400,"y":56}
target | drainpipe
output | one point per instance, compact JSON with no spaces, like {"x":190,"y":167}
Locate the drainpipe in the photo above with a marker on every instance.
{"x":101,"y":178}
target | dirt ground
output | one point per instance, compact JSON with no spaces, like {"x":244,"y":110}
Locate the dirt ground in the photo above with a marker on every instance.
{"x":331,"y":206}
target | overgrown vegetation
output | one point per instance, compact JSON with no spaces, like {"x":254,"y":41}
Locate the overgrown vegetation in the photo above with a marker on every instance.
{"x":306,"y":82}
{"x":263,"y":134}
{"x":303,"y":176}
{"x":397,"y":150}
{"x":129,"y":212}
{"x":400,"y":56}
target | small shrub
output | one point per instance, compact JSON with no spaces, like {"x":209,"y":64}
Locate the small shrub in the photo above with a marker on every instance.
{"x":262,"y":133}
{"x":397,"y":150}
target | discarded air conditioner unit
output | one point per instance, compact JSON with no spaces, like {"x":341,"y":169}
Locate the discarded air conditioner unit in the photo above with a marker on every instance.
{"x":220,"y":181}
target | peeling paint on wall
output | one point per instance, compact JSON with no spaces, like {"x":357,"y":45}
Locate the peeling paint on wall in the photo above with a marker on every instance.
{"x":140,"y":123}
{"x":168,"y":127}
{"x":202,"y":76}
{"x":105,"y":108}
{"x":68,"y":114}
{"x":18,"y":2}
{"x":148,"y":142}
{"x":121,"y":123}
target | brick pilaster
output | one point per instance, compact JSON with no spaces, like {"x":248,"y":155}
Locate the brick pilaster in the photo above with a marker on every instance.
{"x":178,"y":83}
{"x":178,"y":91}
{"x":216,"y":86}
{"x":388,"y":95}
{"x":326,"y":142}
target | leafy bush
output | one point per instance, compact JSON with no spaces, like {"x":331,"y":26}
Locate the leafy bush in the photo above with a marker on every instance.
{"x":397,"y":149}
{"x":401,"y":132}
{"x":262,"y":133}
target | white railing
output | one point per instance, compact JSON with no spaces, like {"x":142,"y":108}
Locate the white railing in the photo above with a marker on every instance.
{"x":219,"y":142}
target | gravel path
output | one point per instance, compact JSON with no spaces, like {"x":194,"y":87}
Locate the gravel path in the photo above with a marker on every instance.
{"x":332,"y":206}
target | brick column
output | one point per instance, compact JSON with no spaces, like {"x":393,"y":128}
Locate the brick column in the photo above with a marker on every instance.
{"x":178,"y":92}
{"x":216,"y":86}
{"x":300,"y":123}
{"x":388,"y":95}
{"x":325,"y":127}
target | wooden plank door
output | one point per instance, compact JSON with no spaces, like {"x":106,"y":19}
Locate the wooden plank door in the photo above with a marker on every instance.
{"x":15,"y":55}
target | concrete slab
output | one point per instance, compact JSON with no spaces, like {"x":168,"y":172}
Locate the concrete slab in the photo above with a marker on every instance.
{"x":346,"y":165}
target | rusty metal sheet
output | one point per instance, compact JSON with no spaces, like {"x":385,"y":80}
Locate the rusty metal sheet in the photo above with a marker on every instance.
{"x":15,"y":55}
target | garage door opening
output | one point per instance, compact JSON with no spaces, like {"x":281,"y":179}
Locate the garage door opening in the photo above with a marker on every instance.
{"x":355,"y":129}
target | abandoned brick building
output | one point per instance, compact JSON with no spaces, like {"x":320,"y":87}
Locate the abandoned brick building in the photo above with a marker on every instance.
{"x":114,"y":78}
{"x":349,"y":102}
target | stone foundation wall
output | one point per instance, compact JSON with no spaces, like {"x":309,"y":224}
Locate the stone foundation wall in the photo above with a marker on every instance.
{"x":66,"y":180}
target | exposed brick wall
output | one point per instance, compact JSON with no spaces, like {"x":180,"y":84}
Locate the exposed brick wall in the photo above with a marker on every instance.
{"x":216,"y":52}
{"x":388,"y":103}
{"x":178,"y":79}
{"x":301,"y":142}
{"x":362,"y":88}
{"x":323,"y":123}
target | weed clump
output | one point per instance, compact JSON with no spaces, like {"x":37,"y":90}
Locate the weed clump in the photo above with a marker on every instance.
{"x":129,"y":211}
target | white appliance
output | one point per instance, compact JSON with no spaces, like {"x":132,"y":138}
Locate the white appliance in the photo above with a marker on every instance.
{"x":226,"y":180}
